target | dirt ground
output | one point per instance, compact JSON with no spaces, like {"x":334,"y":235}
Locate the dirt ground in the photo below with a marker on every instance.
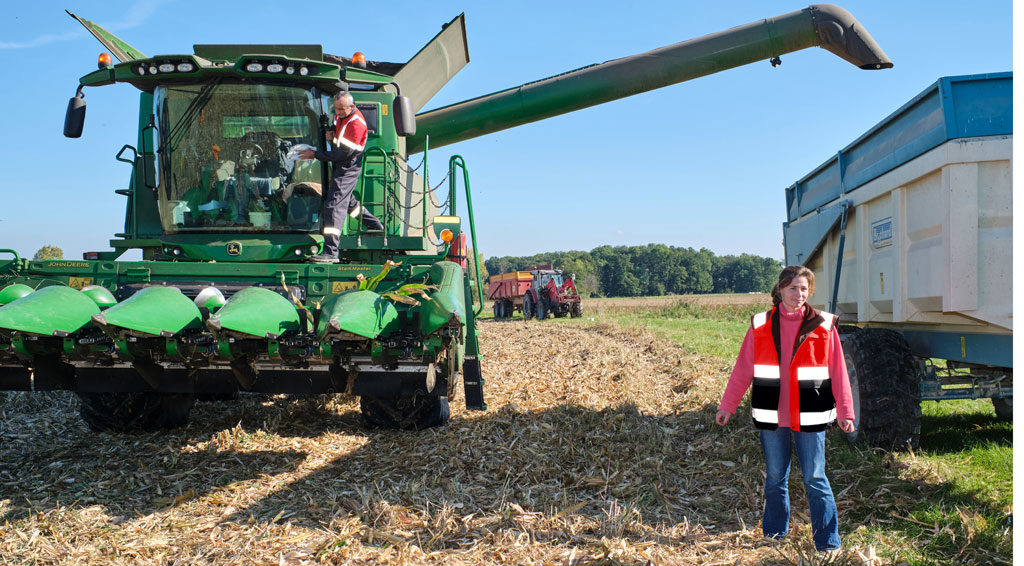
{"x":597,"y":447}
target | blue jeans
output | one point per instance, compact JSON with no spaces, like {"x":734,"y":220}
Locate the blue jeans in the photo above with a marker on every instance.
{"x":810,"y":450}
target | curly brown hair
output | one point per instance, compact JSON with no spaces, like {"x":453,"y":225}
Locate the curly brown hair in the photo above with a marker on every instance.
{"x":789,"y":273}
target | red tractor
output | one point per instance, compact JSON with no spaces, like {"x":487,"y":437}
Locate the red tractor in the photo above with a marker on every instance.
{"x":539,"y":292}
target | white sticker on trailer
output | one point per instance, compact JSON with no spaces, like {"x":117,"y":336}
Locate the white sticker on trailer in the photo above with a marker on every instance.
{"x":881,"y":232}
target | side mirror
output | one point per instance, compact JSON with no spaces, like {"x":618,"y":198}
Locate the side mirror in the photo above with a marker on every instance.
{"x":405,"y":117}
{"x":74,"y":119}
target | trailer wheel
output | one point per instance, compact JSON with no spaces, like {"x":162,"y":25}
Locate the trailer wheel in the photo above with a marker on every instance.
{"x":497,"y":309}
{"x":886,"y":383}
{"x":509,"y":309}
{"x":527,"y":307}
{"x":124,"y":412}
{"x":417,"y":412}
{"x":1004,"y":408}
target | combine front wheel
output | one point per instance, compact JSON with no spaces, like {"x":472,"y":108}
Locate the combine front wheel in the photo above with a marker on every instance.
{"x":407,"y":413}
{"x":124,"y":412}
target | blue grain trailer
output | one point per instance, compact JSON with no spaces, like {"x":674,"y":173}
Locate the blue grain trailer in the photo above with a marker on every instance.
{"x":909,"y":232}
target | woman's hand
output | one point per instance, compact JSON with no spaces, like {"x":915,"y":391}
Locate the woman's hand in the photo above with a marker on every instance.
{"x":722,"y":417}
{"x":846,"y":425}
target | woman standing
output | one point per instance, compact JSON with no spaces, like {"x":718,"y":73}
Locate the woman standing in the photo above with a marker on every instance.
{"x":794,"y":359}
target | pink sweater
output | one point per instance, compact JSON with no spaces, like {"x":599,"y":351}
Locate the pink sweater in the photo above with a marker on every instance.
{"x":789,"y":325}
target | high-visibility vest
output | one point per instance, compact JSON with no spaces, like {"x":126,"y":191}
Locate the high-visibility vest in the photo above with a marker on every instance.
{"x":812,"y":407}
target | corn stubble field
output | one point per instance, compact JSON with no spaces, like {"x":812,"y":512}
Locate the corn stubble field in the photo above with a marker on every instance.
{"x":598,"y":447}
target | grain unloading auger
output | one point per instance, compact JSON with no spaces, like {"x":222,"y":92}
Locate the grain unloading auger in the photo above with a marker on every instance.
{"x":225,"y":298}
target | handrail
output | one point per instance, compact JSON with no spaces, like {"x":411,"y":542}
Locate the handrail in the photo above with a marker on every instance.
{"x":458,"y":161}
{"x":12,"y":252}
{"x":386,"y":176}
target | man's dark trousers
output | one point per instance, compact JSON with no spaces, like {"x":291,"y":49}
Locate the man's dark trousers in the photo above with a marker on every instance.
{"x":340,"y":201}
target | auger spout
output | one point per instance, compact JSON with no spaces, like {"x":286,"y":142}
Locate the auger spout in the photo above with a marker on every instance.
{"x":824,"y":25}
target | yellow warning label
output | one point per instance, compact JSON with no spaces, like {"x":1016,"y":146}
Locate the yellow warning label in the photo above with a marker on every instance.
{"x":339,"y":286}
{"x":384,"y":109}
{"x":79,"y":282}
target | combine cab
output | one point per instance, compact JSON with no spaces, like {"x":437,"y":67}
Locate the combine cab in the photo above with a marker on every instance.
{"x":225,"y":298}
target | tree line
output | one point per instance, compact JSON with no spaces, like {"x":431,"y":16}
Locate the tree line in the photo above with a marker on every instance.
{"x":651,"y":270}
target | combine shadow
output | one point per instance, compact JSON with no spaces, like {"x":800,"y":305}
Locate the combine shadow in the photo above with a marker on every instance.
{"x":50,"y":459}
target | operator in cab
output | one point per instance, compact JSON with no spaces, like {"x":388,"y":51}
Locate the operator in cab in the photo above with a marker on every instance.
{"x":346,"y":158}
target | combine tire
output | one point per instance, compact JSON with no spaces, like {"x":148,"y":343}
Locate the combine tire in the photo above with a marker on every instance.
{"x":406,"y":413}
{"x":125,"y":412}
{"x":886,"y":384}
{"x":527,"y":307}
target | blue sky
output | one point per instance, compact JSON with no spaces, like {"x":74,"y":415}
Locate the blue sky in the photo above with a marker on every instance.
{"x":699,"y":164}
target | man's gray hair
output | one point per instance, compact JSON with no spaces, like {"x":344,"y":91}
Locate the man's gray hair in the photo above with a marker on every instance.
{"x":344,"y":95}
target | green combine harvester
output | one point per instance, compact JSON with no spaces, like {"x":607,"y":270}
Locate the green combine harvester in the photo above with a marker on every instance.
{"x":226,"y":299}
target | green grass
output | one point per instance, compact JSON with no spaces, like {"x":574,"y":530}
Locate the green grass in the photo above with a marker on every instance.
{"x":950,"y":502}
{"x":710,"y":330}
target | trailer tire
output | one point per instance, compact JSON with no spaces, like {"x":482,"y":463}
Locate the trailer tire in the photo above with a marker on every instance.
{"x":1004,"y":408}
{"x":886,"y":384}
{"x":417,"y":412}
{"x":126,"y":412}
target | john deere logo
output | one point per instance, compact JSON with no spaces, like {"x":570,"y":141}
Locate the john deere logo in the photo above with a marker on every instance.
{"x":234,"y":248}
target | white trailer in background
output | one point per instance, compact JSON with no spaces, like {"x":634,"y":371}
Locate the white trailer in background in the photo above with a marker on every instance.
{"x":909,"y":232}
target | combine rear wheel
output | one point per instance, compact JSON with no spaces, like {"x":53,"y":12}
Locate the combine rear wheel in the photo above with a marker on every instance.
{"x":407,"y":413}
{"x":124,"y":412}
{"x":886,"y":384}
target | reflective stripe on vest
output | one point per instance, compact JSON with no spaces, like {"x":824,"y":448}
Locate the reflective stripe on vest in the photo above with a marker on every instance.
{"x":766,"y":371}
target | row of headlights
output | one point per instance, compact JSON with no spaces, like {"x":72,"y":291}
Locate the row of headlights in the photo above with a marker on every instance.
{"x":275,"y":67}
{"x":176,"y":251}
{"x":153,"y":68}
